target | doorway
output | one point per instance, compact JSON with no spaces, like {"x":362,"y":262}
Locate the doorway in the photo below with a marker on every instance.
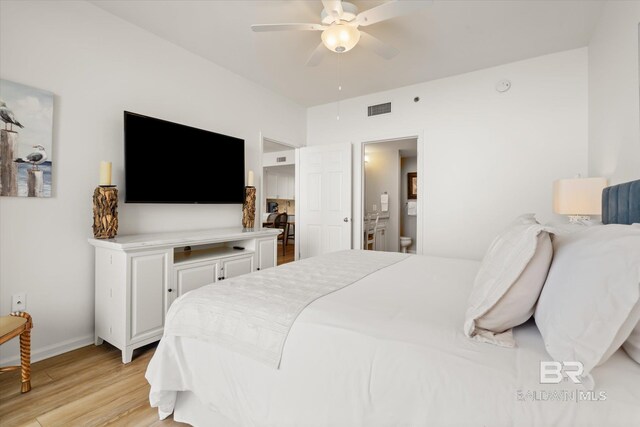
{"x":278,"y":201}
{"x":390,"y":195}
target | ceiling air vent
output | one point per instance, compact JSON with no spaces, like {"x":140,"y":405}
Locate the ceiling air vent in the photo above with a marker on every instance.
{"x":281,"y":159}
{"x":376,"y":110}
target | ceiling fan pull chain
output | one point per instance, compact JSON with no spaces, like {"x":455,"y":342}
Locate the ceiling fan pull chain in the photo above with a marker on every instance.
{"x":339,"y":86}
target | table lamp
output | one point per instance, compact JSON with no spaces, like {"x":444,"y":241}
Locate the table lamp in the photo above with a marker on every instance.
{"x":578,"y":197}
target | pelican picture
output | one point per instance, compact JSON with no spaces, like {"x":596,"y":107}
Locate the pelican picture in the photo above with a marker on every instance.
{"x":26,"y":138}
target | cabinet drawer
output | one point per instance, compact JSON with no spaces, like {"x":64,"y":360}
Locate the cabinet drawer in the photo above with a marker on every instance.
{"x":236,"y":266}
{"x":188,"y":279}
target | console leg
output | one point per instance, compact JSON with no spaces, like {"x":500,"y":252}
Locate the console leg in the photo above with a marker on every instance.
{"x":127,"y":355}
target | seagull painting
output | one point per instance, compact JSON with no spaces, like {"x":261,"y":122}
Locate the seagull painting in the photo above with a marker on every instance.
{"x":6,"y":115}
{"x":36,"y":158}
{"x":26,"y":140}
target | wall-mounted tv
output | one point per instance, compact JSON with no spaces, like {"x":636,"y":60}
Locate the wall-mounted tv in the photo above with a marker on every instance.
{"x":167,"y":162}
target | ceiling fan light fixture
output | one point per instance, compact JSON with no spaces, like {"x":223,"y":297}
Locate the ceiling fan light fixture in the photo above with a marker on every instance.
{"x":340,"y":37}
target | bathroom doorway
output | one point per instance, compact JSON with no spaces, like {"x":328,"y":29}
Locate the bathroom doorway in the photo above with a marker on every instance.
{"x":390,"y":195}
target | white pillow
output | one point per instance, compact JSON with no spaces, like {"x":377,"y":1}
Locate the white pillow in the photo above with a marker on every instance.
{"x":591,"y":300}
{"x":509,"y":282}
{"x":632,"y":345}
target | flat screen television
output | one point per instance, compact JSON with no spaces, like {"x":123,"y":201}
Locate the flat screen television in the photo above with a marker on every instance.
{"x":166,"y":162}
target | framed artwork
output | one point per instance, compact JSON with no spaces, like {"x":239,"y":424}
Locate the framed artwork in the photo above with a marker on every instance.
{"x":412,"y":185}
{"x":26,"y":138}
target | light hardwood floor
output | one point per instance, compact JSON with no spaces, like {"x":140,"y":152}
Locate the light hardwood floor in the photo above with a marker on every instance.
{"x":289,"y":253}
{"x":86,"y":387}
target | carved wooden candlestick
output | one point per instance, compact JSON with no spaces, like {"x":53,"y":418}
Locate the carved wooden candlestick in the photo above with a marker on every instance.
{"x":249,"y":207}
{"x":105,"y":212}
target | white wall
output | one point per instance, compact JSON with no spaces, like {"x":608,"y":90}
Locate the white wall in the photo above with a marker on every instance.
{"x":97,"y":66}
{"x":407,"y":222}
{"x":487,"y":156}
{"x":614,"y":124}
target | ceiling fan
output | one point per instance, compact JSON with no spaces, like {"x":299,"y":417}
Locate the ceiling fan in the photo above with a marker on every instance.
{"x":340,"y":22}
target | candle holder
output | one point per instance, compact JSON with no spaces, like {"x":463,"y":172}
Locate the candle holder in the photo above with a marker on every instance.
{"x":105,"y":212}
{"x":249,"y":207}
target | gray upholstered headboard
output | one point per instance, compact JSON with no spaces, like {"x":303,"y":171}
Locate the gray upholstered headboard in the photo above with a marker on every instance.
{"x":621,"y":203}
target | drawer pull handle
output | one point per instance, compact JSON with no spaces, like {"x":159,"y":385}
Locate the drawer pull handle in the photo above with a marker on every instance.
{"x":170,"y":290}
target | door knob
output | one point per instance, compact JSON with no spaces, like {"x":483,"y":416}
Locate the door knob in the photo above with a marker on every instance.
{"x":170,"y":290}
{"x":346,"y":219}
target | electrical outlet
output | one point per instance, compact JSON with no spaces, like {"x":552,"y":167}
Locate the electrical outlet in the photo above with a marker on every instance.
{"x":19,"y":301}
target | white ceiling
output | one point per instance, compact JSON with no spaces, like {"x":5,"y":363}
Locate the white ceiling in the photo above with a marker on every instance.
{"x":445,"y":38}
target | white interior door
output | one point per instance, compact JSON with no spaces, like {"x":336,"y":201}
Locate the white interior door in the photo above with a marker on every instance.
{"x":324,"y":206}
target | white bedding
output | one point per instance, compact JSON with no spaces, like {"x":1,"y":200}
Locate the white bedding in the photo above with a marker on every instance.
{"x":389,"y":350}
{"x":252,"y":314}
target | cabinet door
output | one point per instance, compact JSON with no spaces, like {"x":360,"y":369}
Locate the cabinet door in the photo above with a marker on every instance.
{"x":233,"y":267}
{"x":148,"y":294}
{"x":110,"y":294}
{"x":188,"y":278}
{"x":272,"y":185}
{"x":266,"y":254}
{"x":291,"y":187}
{"x":283,"y":186}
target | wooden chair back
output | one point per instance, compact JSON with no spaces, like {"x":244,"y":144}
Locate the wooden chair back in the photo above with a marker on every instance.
{"x":281,"y":221}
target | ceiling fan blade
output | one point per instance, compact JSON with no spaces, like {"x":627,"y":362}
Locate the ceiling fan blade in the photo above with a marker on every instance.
{"x":381,"y":48}
{"x":258,"y":28}
{"x":317,"y":55}
{"x":333,"y":8}
{"x":389,"y":10}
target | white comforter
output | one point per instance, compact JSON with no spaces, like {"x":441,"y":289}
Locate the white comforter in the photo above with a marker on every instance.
{"x":252,"y":314}
{"x":389,"y":350}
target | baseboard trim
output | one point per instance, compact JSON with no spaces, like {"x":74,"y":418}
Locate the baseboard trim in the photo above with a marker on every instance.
{"x":50,"y":350}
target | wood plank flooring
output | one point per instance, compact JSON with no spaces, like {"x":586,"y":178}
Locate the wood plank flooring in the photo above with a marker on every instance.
{"x":86,"y":387}
{"x":289,"y":253}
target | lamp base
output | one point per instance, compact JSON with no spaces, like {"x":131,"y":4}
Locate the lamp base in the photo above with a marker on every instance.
{"x":249,"y":208}
{"x":578,"y":219}
{"x":105,"y":212}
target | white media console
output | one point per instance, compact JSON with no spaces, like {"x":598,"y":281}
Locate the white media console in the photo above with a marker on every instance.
{"x":137,"y":277}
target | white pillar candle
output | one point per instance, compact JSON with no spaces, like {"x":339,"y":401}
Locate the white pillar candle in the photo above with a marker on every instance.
{"x":105,"y":173}
{"x":250,"y":179}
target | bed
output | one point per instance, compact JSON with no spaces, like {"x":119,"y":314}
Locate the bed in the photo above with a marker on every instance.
{"x":387,"y":350}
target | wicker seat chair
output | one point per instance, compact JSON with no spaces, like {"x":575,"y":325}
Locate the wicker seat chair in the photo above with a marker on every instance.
{"x":270,"y":219}
{"x":10,"y":327}
{"x":282,"y":222}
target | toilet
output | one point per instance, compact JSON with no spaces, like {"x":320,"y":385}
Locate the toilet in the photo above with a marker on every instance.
{"x":405,"y":242}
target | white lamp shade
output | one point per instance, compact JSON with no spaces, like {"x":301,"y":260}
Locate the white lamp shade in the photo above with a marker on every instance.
{"x":340,"y":37}
{"x":578,"y":196}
